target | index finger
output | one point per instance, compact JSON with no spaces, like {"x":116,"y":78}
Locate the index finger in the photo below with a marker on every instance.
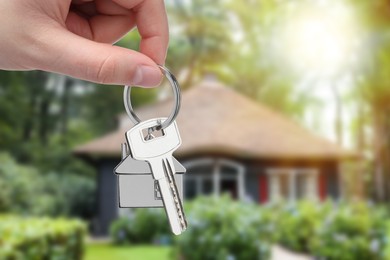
{"x":152,"y":23}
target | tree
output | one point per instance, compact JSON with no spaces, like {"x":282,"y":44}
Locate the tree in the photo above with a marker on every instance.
{"x":202,"y":39}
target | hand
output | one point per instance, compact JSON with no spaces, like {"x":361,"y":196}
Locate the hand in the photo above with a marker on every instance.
{"x":75,"y":37}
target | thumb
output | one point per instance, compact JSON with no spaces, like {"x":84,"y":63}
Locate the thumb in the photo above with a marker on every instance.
{"x":69,"y":54}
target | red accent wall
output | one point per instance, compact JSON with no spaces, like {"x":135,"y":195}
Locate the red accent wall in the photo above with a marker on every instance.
{"x":263,"y":188}
{"x":322,"y":186}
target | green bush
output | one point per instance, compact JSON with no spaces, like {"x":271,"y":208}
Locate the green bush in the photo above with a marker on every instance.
{"x":18,"y":186}
{"x":41,"y":239}
{"x":144,"y":226}
{"x":386,"y":250}
{"x":58,"y":199}
{"x":297,"y":224}
{"x":121,"y":231}
{"x":349,"y":232}
{"x":220,"y":228}
{"x":23,"y":190}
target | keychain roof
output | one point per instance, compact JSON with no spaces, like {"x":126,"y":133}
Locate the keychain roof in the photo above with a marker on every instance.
{"x":131,"y":166}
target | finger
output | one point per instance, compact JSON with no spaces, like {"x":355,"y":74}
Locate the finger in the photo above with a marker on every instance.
{"x":152,"y":23}
{"x":100,"y":28}
{"x":81,"y":58}
{"x":79,"y":2}
{"x":111,"y":8}
{"x":87,"y":10}
{"x":100,"y":7}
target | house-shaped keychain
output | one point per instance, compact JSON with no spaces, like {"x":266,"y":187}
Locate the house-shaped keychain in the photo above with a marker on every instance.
{"x":136,"y":186}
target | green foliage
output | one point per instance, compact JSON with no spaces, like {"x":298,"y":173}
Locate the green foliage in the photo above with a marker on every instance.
{"x":203,"y":43}
{"x":353,"y":231}
{"x":24,"y":191}
{"x":297,"y":224}
{"x":121,"y":231}
{"x":220,"y":228}
{"x":19,"y":186}
{"x":31,"y":238}
{"x":72,"y":195}
{"x":144,"y":226}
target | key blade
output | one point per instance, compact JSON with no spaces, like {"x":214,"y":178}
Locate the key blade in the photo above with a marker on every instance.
{"x":170,"y":208}
{"x":170,"y":196}
{"x":175,"y":192}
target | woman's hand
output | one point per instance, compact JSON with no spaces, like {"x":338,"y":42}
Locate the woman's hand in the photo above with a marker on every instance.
{"x":75,"y":38}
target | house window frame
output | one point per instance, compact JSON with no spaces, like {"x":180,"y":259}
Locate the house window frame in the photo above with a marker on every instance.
{"x":217,"y":174}
{"x":292,"y":181}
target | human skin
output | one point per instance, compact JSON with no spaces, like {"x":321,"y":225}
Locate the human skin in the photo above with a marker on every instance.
{"x":75,"y":37}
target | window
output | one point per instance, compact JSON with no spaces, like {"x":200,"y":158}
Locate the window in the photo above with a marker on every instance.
{"x":207,"y":186}
{"x":306,"y":186}
{"x":230,"y":187}
{"x":207,"y":176}
{"x":190,"y":188}
{"x":198,"y":184}
{"x":292,"y":184}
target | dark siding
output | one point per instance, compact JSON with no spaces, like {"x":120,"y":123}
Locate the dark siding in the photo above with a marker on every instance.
{"x":252,"y":186}
{"x":107,"y":197}
{"x":332,"y":177}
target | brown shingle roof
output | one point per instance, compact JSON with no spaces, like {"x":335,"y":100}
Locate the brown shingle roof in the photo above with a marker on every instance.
{"x":216,"y":119}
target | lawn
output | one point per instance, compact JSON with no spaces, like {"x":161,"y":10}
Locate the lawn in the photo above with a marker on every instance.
{"x":110,"y":252}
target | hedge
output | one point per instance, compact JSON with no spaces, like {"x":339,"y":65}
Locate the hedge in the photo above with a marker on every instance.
{"x":221,"y":228}
{"x":41,"y":239}
{"x":144,"y":226}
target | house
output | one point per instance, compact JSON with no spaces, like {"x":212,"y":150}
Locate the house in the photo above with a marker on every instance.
{"x":229,"y":144}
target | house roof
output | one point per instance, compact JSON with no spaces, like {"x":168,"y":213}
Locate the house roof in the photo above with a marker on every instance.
{"x":216,"y":119}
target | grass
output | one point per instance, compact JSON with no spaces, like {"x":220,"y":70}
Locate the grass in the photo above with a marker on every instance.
{"x":141,"y":252}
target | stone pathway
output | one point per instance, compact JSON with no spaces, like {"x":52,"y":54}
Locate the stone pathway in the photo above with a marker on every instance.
{"x":279,"y":253}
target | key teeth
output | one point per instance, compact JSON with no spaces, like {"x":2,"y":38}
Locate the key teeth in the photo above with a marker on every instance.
{"x":177,"y":201}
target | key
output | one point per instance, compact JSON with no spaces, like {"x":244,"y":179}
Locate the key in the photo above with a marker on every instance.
{"x":157,"y":152}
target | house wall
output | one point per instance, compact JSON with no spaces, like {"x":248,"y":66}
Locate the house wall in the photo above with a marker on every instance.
{"x":333,"y":185}
{"x":107,"y":195}
{"x":252,"y":185}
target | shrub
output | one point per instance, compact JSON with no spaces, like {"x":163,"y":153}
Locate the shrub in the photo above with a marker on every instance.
{"x":23,"y":190}
{"x":298,"y":223}
{"x":142,"y":226}
{"x":220,"y":228}
{"x":353,"y":231}
{"x":18,"y":186}
{"x":33,"y":238}
{"x":78,"y":201}
{"x":386,"y":250}
{"x":121,"y":231}
{"x":223,"y":229}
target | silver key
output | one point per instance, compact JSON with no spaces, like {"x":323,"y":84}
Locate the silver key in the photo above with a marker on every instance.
{"x":158,"y":153}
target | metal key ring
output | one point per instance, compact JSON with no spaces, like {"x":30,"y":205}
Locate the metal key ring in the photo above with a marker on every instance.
{"x":177,"y":97}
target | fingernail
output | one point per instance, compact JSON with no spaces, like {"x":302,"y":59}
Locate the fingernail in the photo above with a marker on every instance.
{"x":147,"y":76}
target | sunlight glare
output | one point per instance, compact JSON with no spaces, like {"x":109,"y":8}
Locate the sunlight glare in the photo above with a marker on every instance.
{"x":320,"y":40}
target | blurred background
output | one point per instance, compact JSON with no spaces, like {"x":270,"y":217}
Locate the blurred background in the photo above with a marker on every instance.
{"x":285,"y":126}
